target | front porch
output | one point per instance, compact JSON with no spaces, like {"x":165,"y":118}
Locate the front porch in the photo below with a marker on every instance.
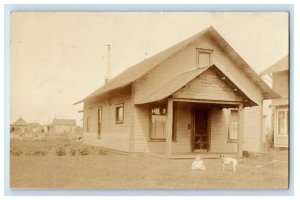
{"x":205,"y":128}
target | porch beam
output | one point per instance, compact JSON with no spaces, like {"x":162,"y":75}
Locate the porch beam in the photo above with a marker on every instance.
{"x":240,"y":130}
{"x":207,"y":101}
{"x":169,"y":128}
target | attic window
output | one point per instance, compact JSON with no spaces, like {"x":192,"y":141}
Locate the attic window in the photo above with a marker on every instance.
{"x":203,"y":57}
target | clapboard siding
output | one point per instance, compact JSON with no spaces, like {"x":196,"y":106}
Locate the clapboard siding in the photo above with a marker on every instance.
{"x":183,"y":134}
{"x":141,"y":128}
{"x":252,"y":126}
{"x":113,"y":135}
{"x":207,"y":86}
{"x":219,"y":131}
{"x":280,"y":83}
{"x":185,"y":60}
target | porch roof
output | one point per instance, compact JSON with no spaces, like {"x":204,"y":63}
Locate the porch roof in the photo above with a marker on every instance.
{"x":279,"y":66}
{"x":180,"y":81}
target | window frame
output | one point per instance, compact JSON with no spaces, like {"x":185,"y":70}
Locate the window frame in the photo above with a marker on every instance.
{"x":117,"y":108}
{"x":164,"y":106}
{"x":203,"y":51}
{"x":286,"y":122}
{"x":229,"y":139}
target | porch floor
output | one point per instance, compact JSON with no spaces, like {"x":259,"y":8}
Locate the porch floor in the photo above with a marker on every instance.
{"x":192,"y":155}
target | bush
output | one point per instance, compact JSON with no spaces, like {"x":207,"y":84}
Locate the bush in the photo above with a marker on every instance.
{"x":83,"y":152}
{"x":61,"y":151}
{"x":39,"y":153}
{"x":102,"y":152}
{"x":16,"y":153}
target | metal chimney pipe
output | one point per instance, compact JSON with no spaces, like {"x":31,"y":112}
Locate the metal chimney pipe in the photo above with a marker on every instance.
{"x":107,"y":76}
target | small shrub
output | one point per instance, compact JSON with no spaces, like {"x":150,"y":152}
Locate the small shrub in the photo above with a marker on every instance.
{"x":102,"y":152}
{"x":39,"y":153}
{"x":16,"y":153}
{"x":83,"y":152}
{"x":61,"y":151}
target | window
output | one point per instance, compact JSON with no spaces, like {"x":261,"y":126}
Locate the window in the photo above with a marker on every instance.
{"x":203,"y":57}
{"x":158,"y":123}
{"x":88,"y":124}
{"x":233,"y":125}
{"x":120,"y":113}
{"x":282,"y":122}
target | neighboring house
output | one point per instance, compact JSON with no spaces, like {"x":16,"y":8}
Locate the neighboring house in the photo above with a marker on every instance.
{"x":279,"y":72}
{"x":63,"y":126}
{"x":20,"y":126}
{"x":196,"y":96}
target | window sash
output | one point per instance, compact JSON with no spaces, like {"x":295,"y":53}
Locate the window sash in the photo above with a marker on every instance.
{"x":120,"y":113}
{"x":282,"y":122}
{"x":158,"y":117}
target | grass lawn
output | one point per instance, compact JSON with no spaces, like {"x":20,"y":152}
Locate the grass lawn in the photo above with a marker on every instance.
{"x":107,"y":170}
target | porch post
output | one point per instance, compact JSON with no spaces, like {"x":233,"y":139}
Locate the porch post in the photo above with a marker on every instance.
{"x":240,"y":130}
{"x":261,"y":121}
{"x":169,"y":127}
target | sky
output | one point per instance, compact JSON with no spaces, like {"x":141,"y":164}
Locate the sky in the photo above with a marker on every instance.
{"x":58,"y":58}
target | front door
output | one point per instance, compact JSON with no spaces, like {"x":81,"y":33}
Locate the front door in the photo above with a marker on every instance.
{"x":200,"y":133}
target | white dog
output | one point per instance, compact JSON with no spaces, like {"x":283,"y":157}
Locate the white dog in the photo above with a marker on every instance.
{"x":229,"y":161}
{"x":198,"y":164}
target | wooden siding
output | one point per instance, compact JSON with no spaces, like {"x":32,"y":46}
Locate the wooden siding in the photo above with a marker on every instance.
{"x":113,"y":135}
{"x":183,"y":134}
{"x":207,"y":86}
{"x":252,"y":129}
{"x":219,"y":131}
{"x":185,"y":60}
{"x":280,"y":83}
{"x":141,"y":128}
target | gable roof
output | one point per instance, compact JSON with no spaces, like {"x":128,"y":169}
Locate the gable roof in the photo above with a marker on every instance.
{"x":20,"y":122}
{"x":173,"y":85}
{"x":281,"y":65}
{"x":137,"y":71}
{"x":69,"y":122}
{"x":183,"y":79}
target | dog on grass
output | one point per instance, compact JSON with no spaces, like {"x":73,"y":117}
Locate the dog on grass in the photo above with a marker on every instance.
{"x":229,"y":161}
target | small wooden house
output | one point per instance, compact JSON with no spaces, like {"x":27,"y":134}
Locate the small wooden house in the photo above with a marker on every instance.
{"x":63,"y":126}
{"x":19,"y":126}
{"x":280,"y":106}
{"x":196,"y":96}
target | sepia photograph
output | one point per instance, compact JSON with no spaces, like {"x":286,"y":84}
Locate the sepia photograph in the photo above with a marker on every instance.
{"x":149,"y":100}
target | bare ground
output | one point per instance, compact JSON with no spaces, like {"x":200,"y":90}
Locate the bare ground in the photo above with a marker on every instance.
{"x":101,"y":169}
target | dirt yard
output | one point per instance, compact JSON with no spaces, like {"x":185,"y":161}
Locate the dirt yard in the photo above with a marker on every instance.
{"x":61,"y":163}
